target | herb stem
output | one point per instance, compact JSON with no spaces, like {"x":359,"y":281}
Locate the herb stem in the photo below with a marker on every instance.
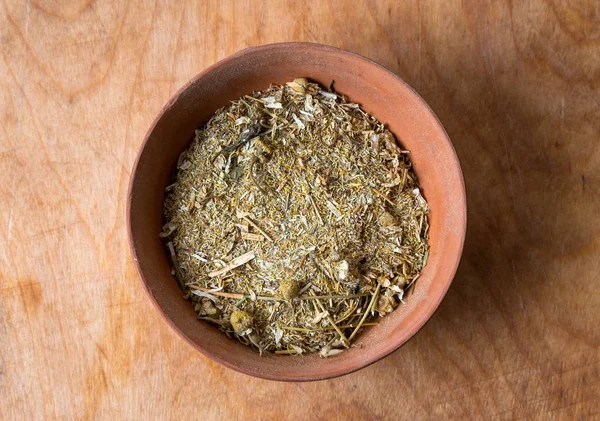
{"x":337,"y":329}
{"x":383,"y":196}
{"x":238,"y":296}
{"x":302,"y":329}
{"x":367,"y":311}
{"x":257,"y":228}
{"x":286,"y":352}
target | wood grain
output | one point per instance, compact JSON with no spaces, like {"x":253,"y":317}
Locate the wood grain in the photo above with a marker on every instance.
{"x":516,"y":84}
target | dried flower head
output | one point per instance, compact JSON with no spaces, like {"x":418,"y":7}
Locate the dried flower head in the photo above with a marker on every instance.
{"x":241,"y":321}
{"x":288,"y":289}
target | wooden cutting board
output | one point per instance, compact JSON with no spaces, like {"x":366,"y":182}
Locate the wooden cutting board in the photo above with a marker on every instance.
{"x":516,"y":84}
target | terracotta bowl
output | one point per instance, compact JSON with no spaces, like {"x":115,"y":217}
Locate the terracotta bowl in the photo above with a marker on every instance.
{"x":381,"y":93}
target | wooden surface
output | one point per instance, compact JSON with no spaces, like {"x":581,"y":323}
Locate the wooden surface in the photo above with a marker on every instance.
{"x":516,"y":84}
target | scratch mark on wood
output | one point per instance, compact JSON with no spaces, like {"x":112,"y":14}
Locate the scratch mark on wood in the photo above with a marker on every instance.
{"x":9,"y":226}
{"x":27,"y":11}
{"x":261,"y":20}
{"x":171,"y":89}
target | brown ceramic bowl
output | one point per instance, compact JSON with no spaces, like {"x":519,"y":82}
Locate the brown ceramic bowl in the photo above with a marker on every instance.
{"x":381,"y":93}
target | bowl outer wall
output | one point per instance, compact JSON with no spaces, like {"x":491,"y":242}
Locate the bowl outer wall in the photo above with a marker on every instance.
{"x":378,"y":91}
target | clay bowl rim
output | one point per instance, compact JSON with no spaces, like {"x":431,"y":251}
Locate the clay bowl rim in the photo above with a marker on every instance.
{"x":453,"y":260}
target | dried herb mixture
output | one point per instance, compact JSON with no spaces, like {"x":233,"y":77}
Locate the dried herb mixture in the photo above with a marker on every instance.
{"x":295,"y":220}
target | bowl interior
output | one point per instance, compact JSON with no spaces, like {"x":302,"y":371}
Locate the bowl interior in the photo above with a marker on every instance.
{"x":380,"y":93}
